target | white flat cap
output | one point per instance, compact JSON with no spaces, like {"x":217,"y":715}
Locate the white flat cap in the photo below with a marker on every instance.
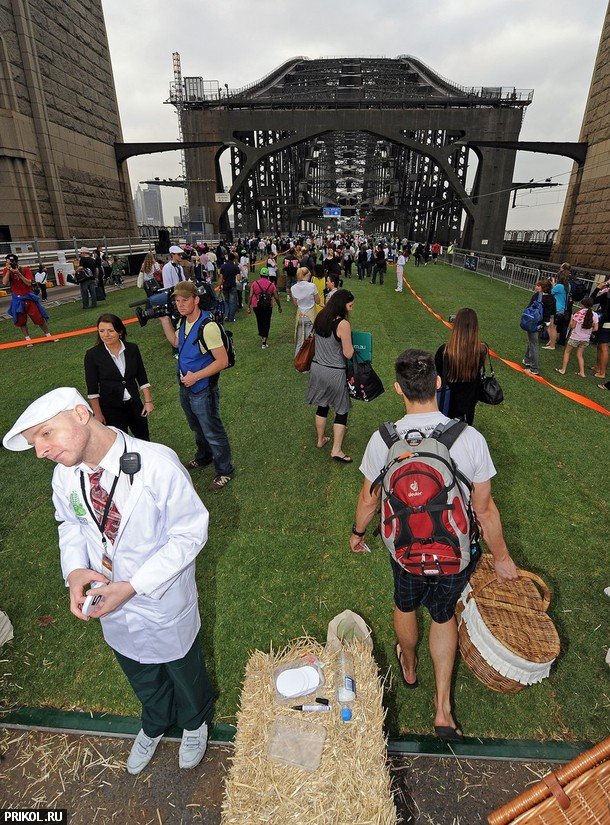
{"x":39,"y":411}
{"x":176,"y":250}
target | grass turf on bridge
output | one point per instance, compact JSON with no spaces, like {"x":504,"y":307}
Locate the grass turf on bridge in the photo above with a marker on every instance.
{"x":277,"y":564}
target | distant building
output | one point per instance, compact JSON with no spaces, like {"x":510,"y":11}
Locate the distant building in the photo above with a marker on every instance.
{"x":177,"y":221}
{"x":148,"y":205}
{"x":59,"y":176}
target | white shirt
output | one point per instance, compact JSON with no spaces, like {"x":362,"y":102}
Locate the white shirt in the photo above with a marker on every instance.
{"x":401,"y":260}
{"x":40,"y":277}
{"x":172,"y":274}
{"x":163,"y":527}
{"x":470,"y":452}
{"x":304,"y":293}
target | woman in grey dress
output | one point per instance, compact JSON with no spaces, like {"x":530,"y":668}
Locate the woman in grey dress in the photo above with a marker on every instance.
{"x":327,"y":377}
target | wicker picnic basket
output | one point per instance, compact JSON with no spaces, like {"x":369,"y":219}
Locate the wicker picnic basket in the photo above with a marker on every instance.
{"x":506,"y":638}
{"x":576,"y":794}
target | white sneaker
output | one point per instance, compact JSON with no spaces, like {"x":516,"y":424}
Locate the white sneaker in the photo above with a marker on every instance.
{"x":142,"y":752}
{"x":398,"y":290}
{"x":192,"y":748}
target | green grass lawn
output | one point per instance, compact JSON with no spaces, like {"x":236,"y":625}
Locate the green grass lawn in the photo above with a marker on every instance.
{"x":277,"y":563}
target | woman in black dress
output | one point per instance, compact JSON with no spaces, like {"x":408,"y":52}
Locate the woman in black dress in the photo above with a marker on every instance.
{"x":115,"y":376}
{"x":459,"y":363}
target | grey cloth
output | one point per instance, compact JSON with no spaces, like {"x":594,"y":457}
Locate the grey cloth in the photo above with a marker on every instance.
{"x":532,"y":357}
{"x":327,"y":378}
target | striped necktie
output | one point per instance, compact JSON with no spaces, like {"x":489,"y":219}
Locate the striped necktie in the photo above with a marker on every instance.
{"x":99,"y":498}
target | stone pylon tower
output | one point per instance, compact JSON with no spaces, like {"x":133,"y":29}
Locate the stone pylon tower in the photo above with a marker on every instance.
{"x":59,"y":120}
{"x":584,"y":233}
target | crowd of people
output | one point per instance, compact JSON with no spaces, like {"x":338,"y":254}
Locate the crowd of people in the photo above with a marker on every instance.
{"x":131,"y":523}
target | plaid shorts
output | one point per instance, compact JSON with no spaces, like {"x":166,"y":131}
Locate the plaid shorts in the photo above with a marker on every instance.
{"x":439,"y":596}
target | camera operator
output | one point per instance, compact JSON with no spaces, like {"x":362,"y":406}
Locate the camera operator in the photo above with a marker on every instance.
{"x":201,"y":357}
{"x":24,"y":301}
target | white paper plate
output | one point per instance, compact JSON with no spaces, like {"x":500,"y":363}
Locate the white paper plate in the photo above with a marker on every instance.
{"x":297,"y":681}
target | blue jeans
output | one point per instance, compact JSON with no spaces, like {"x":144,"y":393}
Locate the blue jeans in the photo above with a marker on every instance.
{"x":230,"y":296}
{"x":202,"y":411}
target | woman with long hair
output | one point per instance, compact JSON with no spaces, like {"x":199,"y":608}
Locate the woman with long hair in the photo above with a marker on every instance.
{"x":115,"y":376}
{"x":459,"y":363}
{"x":148,"y":272}
{"x":327,"y":377}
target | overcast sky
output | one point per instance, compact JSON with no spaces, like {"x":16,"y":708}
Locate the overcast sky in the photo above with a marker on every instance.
{"x":547,"y":45}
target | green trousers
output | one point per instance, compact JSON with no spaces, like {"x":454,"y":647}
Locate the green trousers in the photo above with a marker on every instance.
{"x":177,"y":692}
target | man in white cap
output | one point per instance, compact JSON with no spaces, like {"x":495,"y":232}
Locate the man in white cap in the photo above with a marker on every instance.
{"x":172,"y":273}
{"x":131,"y":525}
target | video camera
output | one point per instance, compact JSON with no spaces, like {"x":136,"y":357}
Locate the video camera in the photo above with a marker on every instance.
{"x":160,"y":303}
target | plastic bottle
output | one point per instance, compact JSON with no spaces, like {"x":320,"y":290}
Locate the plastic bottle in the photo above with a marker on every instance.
{"x":346,"y":684}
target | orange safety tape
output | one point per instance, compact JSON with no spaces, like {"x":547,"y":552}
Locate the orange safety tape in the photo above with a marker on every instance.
{"x":573,"y":396}
{"x":75,"y":332}
{"x":54,"y":336}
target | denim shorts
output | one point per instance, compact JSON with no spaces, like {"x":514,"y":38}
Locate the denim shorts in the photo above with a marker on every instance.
{"x":438,"y":596}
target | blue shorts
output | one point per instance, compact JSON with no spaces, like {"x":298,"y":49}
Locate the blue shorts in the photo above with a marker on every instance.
{"x":439,"y":596}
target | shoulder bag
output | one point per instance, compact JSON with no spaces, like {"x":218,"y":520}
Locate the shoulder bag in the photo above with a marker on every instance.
{"x":305,"y":355}
{"x":490,"y":391}
{"x":363,"y":383}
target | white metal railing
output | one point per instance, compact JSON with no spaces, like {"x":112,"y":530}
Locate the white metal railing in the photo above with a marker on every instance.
{"x":514,"y":272}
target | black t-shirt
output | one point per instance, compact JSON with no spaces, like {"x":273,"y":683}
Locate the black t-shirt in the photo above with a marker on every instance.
{"x":88,"y":263}
{"x":229,"y":272}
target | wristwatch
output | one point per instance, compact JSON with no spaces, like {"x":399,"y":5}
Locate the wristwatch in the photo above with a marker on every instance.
{"x":357,"y":532}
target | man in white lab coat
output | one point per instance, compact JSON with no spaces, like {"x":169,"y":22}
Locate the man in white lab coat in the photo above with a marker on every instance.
{"x":131,"y":525}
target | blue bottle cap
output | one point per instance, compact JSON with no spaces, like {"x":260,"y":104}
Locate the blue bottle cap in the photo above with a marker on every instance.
{"x":346,"y":714}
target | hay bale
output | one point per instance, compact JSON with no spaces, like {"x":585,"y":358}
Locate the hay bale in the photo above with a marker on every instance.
{"x":352,"y":783}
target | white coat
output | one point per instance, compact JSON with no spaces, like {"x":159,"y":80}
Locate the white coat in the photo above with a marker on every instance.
{"x":164,"y":525}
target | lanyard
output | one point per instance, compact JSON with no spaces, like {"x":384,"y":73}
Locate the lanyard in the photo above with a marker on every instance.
{"x":101,"y":525}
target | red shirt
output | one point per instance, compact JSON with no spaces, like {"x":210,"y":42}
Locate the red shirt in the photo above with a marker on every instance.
{"x":436,"y":248}
{"x":16,"y":284}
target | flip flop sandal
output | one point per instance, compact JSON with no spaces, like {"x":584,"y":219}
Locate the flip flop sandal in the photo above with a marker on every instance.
{"x":410,"y":685}
{"x":449,"y":734}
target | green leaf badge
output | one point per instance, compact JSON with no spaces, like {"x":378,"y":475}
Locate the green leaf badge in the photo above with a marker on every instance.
{"x":76,"y":504}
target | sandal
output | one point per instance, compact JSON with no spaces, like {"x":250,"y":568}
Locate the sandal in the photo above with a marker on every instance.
{"x":342,"y":459}
{"x":410,"y":685}
{"x":325,"y":441}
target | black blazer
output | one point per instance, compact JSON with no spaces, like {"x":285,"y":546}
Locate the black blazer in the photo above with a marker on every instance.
{"x":103,"y":377}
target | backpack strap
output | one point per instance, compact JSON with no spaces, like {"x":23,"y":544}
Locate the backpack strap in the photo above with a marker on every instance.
{"x":389,"y":433}
{"x":447,"y":434}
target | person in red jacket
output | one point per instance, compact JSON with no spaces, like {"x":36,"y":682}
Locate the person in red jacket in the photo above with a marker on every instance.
{"x":25,"y":303}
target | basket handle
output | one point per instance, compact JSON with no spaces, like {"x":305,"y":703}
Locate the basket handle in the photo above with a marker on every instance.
{"x":541,"y":791}
{"x":526,"y":574}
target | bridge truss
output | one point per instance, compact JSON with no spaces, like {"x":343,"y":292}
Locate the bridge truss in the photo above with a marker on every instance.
{"x":386,"y":139}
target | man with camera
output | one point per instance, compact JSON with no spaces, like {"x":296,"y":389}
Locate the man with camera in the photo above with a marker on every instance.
{"x":201,"y":357}
{"x":130,"y":526}
{"x":25,"y":303}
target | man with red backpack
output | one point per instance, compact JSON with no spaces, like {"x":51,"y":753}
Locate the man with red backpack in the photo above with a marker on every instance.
{"x":432,"y":477}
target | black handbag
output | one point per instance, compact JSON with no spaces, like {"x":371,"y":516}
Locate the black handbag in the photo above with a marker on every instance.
{"x":363,"y":383}
{"x":490,"y":391}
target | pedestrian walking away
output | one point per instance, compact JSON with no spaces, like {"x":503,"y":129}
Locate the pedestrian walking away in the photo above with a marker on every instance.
{"x":262,"y":295}
{"x":416,"y":385}
{"x":327,"y":377}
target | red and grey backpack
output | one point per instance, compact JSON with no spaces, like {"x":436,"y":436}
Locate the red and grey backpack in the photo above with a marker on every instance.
{"x":427,"y":522}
